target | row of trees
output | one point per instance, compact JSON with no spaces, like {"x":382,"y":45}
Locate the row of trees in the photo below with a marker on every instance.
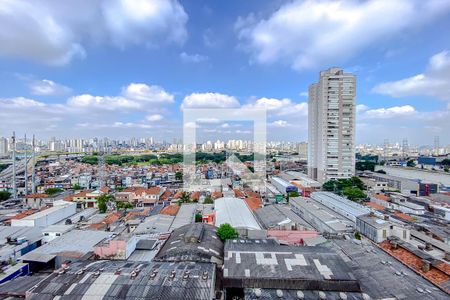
{"x":163,"y":159}
{"x":352,"y":188}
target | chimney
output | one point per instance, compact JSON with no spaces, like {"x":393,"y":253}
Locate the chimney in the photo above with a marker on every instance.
{"x":425,"y":266}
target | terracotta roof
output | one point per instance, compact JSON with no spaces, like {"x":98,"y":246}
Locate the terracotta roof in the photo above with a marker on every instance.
{"x":33,"y":196}
{"x":238,"y":193}
{"x":252,"y":194}
{"x":134,"y":214}
{"x":435,"y":275}
{"x":375,"y":205}
{"x":165,"y":196}
{"x":81,"y":194}
{"x":109,"y":219}
{"x":171,"y":210}
{"x":253,"y":203}
{"x":216,"y":195}
{"x":23,"y":214}
{"x":155,"y":190}
{"x":404,"y":216}
{"x":178,"y":195}
{"x":104,"y":189}
{"x":195,"y":196}
{"x":381,"y":197}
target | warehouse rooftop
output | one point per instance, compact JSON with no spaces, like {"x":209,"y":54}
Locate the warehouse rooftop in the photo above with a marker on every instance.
{"x":196,"y":242}
{"x":128,"y":280}
{"x":75,"y":243}
{"x":266,"y":264}
{"x":235,"y":212}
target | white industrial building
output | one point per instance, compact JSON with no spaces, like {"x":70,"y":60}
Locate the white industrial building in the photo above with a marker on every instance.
{"x":53,"y":231}
{"x":341,"y":205}
{"x":280,"y":184}
{"x":44,"y":218}
{"x":378,"y":230}
{"x":320,"y":217}
{"x":235,"y":212}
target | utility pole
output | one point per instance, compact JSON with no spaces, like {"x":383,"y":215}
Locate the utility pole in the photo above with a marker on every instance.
{"x":26,"y":167}
{"x":14,"y":187}
{"x":33,"y":170}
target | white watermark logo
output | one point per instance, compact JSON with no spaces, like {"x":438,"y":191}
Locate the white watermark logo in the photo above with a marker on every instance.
{"x":254,"y":177}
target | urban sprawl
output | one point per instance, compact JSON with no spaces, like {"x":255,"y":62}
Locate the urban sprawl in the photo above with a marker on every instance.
{"x":104,"y":218}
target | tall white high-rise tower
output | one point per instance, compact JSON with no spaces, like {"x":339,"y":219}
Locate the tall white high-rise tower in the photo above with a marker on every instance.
{"x":331,"y":126}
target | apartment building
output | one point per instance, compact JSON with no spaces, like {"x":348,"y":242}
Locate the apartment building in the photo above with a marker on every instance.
{"x":331,"y":126}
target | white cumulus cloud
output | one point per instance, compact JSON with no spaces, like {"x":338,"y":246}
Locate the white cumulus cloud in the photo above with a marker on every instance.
{"x":134,"y":96}
{"x":209,"y":100}
{"x":154,"y":118}
{"x":310,"y":34}
{"x":391,"y":112}
{"x":56,"y":32}
{"x":47,"y":87}
{"x":280,"y":107}
{"x":434,"y":82}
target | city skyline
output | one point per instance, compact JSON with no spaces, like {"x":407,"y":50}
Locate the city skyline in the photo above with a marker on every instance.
{"x":91,"y":78}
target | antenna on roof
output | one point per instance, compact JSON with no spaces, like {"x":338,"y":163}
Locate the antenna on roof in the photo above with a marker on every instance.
{"x":14,"y":187}
{"x":26,"y":166}
{"x":33,"y":170}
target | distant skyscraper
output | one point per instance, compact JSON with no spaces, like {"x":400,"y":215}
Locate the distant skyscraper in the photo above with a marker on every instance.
{"x":331,"y":126}
{"x":3,"y":146}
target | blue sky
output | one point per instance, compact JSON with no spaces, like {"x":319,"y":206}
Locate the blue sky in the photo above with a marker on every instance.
{"x":124,"y":68}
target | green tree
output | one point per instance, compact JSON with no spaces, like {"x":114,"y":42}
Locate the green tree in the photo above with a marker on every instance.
{"x":76,"y":187}
{"x":226,"y":232}
{"x":4,"y":195}
{"x":208,"y":200}
{"x":53,"y":191}
{"x":354,"y":193}
{"x":329,"y":186}
{"x":357,"y":235}
{"x":123,"y":205}
{"x":446,"y":169}
{"x":198,"y":218}
{"x":274,"y":160}
{"x":102,"y":202}
{"x":356,"y":181}
{"x":178,"y":175}
{"x":90,"y":159}
{"x":185,"y":198}
{"x":365,"y":165}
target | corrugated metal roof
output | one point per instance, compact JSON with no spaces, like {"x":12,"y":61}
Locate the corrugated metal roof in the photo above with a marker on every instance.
{"x":185,"y":216}
{"x":75,"y":243}
{"x":235,"y":212}
{"x":113,"y":280}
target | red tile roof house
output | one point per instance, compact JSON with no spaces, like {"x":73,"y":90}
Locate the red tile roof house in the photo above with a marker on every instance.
{"x":195,"y":196}
{"x":141,"y":197}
